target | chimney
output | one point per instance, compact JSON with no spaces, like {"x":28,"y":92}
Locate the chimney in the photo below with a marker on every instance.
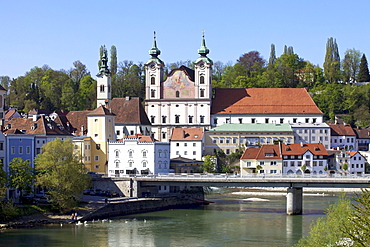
{"x":35,"y":117}
{"x":127,"y":98}
{"x":82,"y":129}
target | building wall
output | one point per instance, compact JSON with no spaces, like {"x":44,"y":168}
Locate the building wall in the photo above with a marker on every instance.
{"x":346,"y":142}
{"x":187,"y":149}
{"x":312,"y":133}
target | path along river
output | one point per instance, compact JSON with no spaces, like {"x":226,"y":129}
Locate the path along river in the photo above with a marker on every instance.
{"x":229,"y":221}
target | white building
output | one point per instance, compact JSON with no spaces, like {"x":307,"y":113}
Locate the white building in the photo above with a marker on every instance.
{"x":343,"y":137}
{"x":138,"y":155}
{"x":312,"y":133}
{"x":187,"y":143}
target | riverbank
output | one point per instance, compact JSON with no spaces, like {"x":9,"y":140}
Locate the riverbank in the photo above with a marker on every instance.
{"x":98,"y":208}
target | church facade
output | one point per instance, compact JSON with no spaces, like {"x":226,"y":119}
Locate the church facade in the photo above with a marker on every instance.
{"x":183,"y":99}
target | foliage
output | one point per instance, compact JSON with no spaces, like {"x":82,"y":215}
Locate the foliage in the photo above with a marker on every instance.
{"x":345,"y":167}
{"x":3,"y":182}
{"x":21,"y":175}
{"x":358,"y":227}
{"x":209,"y":164}
{"x":8,"y":210}
{"x":61,"y":173}
{"x":272,"y":58}
{"x":332,"y":61}
{"x":327,"y":231}
{"x":351,"y":65}
{"x":252,"y":61}
{"x":113,"y":60}
{"x":363,"y":74}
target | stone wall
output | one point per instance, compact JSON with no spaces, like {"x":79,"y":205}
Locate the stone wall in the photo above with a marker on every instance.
{"x":135,"y":206}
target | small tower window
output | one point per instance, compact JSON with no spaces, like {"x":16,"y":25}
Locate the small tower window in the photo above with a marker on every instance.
{"x":177,"y":94}
{"x":163,"y":119}
{"x":177,"y":118}
{"x":190,"y":119}
{"x":152,"y":118}
{"x":201,"y":119}
{"x":152,"y":80}
{"x":202,"y":93}
{"x":201,"y":80}
{"x":152,"y":93}
{"x":101,"y":88}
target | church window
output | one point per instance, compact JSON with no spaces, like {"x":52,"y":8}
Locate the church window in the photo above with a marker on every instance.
{"x":253,"y":120}
{"x":201,"y":119}
{"x":152,"y":118}
{"x":177,"y":118}
{"x":101,"y":88}
{"x":177,"y":94}
{"x":190,"y":119}
{"x":164,"y":135}
{"x":201,"y":81}
{"x":202,"y":93}
{"x":266,"y":120}
{"x":152,"y":93}
{"x":215,"y":121}
{"x":152,"y":80}
{"x":163,"y":119}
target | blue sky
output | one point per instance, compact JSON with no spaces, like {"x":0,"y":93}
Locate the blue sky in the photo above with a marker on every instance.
{"x":57,"y":33}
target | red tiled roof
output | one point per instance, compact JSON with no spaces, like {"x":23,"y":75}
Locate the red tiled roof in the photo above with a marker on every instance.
{"x":260,"y":153}
{"x":9,"y":114}
{"x":187,"y":134}
{"x":352,"y":153}
{"x":129,"y":111}
{"x":362,"y":133}
{"x":262,"y":100}
{"x":341,"y":130}
{"x":141,"y":138}
{"x":300,"y":149}
{"x":77,"y":119}
{"x":100,"y":111}
{"x":40,"y":127}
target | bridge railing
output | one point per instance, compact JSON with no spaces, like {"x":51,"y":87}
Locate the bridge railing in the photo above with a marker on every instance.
{"x":252,"y":175}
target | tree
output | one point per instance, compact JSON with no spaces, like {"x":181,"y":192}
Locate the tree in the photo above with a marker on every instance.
{"x":327,"y":231}
{"x":332,"y":61}
{"x":5,"y":81}
{"x":61,"y":173}
{"x":345,"y":167}
{"x":21,"y":175}
{"x":272,"y":58}
{"x":3,"y":181}
{"x":363,"y":74}
{"x":113,"y":60}
{"x":362,"y":116}
{"x":209,"y":164}
{"x":252,"y":61}
{"x":358,"y":226}
{"x":351,"y":65}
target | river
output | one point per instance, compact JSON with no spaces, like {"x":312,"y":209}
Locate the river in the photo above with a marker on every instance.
{"x":229,"y":221}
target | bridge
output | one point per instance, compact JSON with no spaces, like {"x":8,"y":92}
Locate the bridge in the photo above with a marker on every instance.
{"x":293,"y":184}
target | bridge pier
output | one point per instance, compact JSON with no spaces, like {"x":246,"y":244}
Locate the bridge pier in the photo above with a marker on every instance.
{"x":294,"y":201}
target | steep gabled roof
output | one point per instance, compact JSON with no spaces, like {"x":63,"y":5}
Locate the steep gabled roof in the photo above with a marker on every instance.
{"x":341,"y":130}
{"x":362,"y":133}
{"x":129,"y":111}
{"x":263,"y":100}
{"x":300,"y":149}
{"x":100,"y":111}
{"x":187,"y":134}
{"x":189,"y":72}
{"x":42,"y":126}
{"x":77,"y":120}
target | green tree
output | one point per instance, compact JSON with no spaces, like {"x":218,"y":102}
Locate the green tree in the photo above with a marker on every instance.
{"x":363,"y":74}
{"x":113,"y":60}
{"x":5,"y":81}
{"x":3,"y":181}
{"x":21,"y":175}
{"x":358,"y":226}
{"x":61,"y":173}
{"x":327,"y":231}
{"x":272,"y":58}
{"x":362,"y":116}
{"x":252,"y":61}
{"x":351,"y":65}
{"x":345,"y":167}
{"x":87,"y":93}
{"x":332,"y":61}
{"x":209,"y":164}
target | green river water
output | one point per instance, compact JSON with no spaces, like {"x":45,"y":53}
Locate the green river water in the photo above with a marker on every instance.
{"x":229,"y":221}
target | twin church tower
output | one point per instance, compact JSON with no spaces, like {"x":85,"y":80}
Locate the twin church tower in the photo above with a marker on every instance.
{"x":183,"y":99}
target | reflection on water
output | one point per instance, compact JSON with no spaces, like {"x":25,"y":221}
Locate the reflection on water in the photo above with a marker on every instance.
{"x":229,"y":221}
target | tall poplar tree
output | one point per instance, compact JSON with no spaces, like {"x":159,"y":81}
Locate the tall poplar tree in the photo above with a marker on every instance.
{"x":113,"y":60}
{"x":101,"y":52}
{"x":363,"y":74}
{"x":272,"y":58}
{"x":351,"y":65}
{"x":332,"y":61}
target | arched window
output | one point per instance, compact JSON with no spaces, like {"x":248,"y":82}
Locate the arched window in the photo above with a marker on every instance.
{"x":152,"y":118}
{"x":177,"y":118}
{"x":152,"y":80}
{"x":177,"y":94}
{"x":117,"y":153}
{"x":102,"y":88}
{"x":159,"y":153}
{"x":201,"y":79}
{"x":144,"y":154}
{"x":130,"y":152}
{"x":202,"y":93}
{"x":165,"y":165}
{"x":152,"y":93}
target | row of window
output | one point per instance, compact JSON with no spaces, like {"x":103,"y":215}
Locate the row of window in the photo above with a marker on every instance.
{"x":299,"y":163}
{"x":307,"y":157}
{"x":313,"y":131}
{"x":267,"y":120}
{"x":201,"y":80}
{"x":20,"y":150}
{"x":185,"y":144}
{"x":143,"y":152}
{"x":313,"y":138}
{"x":177,"y":119}
{"x":177,"y":93}
{"x":161,"y":165}
{"x":186,"y":152}
{"x":349,"y":140}
{"x":247,"y":141}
